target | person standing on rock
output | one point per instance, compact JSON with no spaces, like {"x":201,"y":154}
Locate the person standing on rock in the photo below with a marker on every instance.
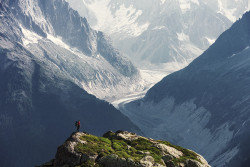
{"x":77,"y":124}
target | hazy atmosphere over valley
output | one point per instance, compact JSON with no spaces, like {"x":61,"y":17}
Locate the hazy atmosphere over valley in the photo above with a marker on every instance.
{"x":174,"y":71}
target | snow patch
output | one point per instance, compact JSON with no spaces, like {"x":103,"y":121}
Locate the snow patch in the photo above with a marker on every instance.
{"x":162,"y":1}
{"x":29,"y":37}
{"x":159,"y":27}
{"x":58,"y":41}
{"x":184,"y":5}
{"x":229,"y":13}
{"x":182,"y":36}
{"x":210,"y":40}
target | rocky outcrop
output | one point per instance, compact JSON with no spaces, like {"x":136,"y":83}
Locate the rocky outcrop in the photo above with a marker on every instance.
{"x":123,"y":149}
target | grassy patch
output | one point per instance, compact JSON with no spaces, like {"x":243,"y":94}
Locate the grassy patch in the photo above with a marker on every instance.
{"x":135,"y":150}
{"x":123,"y":150}
{"x":95,"y":145}
{"x":119,"y":145}
{"x":103,"y":146}
{"x":145,"y":145}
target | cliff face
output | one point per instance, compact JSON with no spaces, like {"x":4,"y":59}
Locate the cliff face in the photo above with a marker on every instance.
{"x":122,"y":149}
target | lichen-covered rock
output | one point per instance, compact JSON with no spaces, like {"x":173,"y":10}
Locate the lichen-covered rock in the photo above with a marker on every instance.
{"x":147,"y":161}
{"x":172,"y":151}
{"x":122,"y":149}
{"x":125,"y":135}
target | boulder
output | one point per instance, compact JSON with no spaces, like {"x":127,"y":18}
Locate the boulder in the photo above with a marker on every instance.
{"x":170,"y":150}
{"x":125,"y":135}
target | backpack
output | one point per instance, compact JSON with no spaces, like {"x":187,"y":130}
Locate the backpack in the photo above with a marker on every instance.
{"x":76,"y":123}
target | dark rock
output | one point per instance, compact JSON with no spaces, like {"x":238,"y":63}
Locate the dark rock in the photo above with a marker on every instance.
{"x":192,"y":163}
{"x":65,"y":156}
{"x":109,"y":135}
{"x":170,"y":164}
{"x":167,"y":158}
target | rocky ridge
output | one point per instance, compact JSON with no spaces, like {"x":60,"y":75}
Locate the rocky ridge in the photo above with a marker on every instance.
{"x":122,"y":149}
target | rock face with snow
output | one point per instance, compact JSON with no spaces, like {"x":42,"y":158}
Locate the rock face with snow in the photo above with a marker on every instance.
{"x":205,"y":106}
{"x":48,"y":54}
{"x":123,"y":149}
{"x":55,"y":33}
{"x":232,"y":9}
{"x":165,"y":34}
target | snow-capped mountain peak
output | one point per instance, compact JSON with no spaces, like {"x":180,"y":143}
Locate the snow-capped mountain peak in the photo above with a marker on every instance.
{"x":112,"y":19}
{"x":146,"y":31}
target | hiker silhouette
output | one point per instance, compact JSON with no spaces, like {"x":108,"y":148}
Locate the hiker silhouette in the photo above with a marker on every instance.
{"x":77,"y":124}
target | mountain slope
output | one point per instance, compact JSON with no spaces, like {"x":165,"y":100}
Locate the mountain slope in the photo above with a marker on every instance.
{"x":41,"y":94}
{"x":206,"y":102}
{"x":122,"y":149}
{"x":44,"y":23}
{"x":160,"y":34}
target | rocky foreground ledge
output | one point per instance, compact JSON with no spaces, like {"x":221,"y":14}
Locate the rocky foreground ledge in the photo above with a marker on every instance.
{"x":122,"y":149}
